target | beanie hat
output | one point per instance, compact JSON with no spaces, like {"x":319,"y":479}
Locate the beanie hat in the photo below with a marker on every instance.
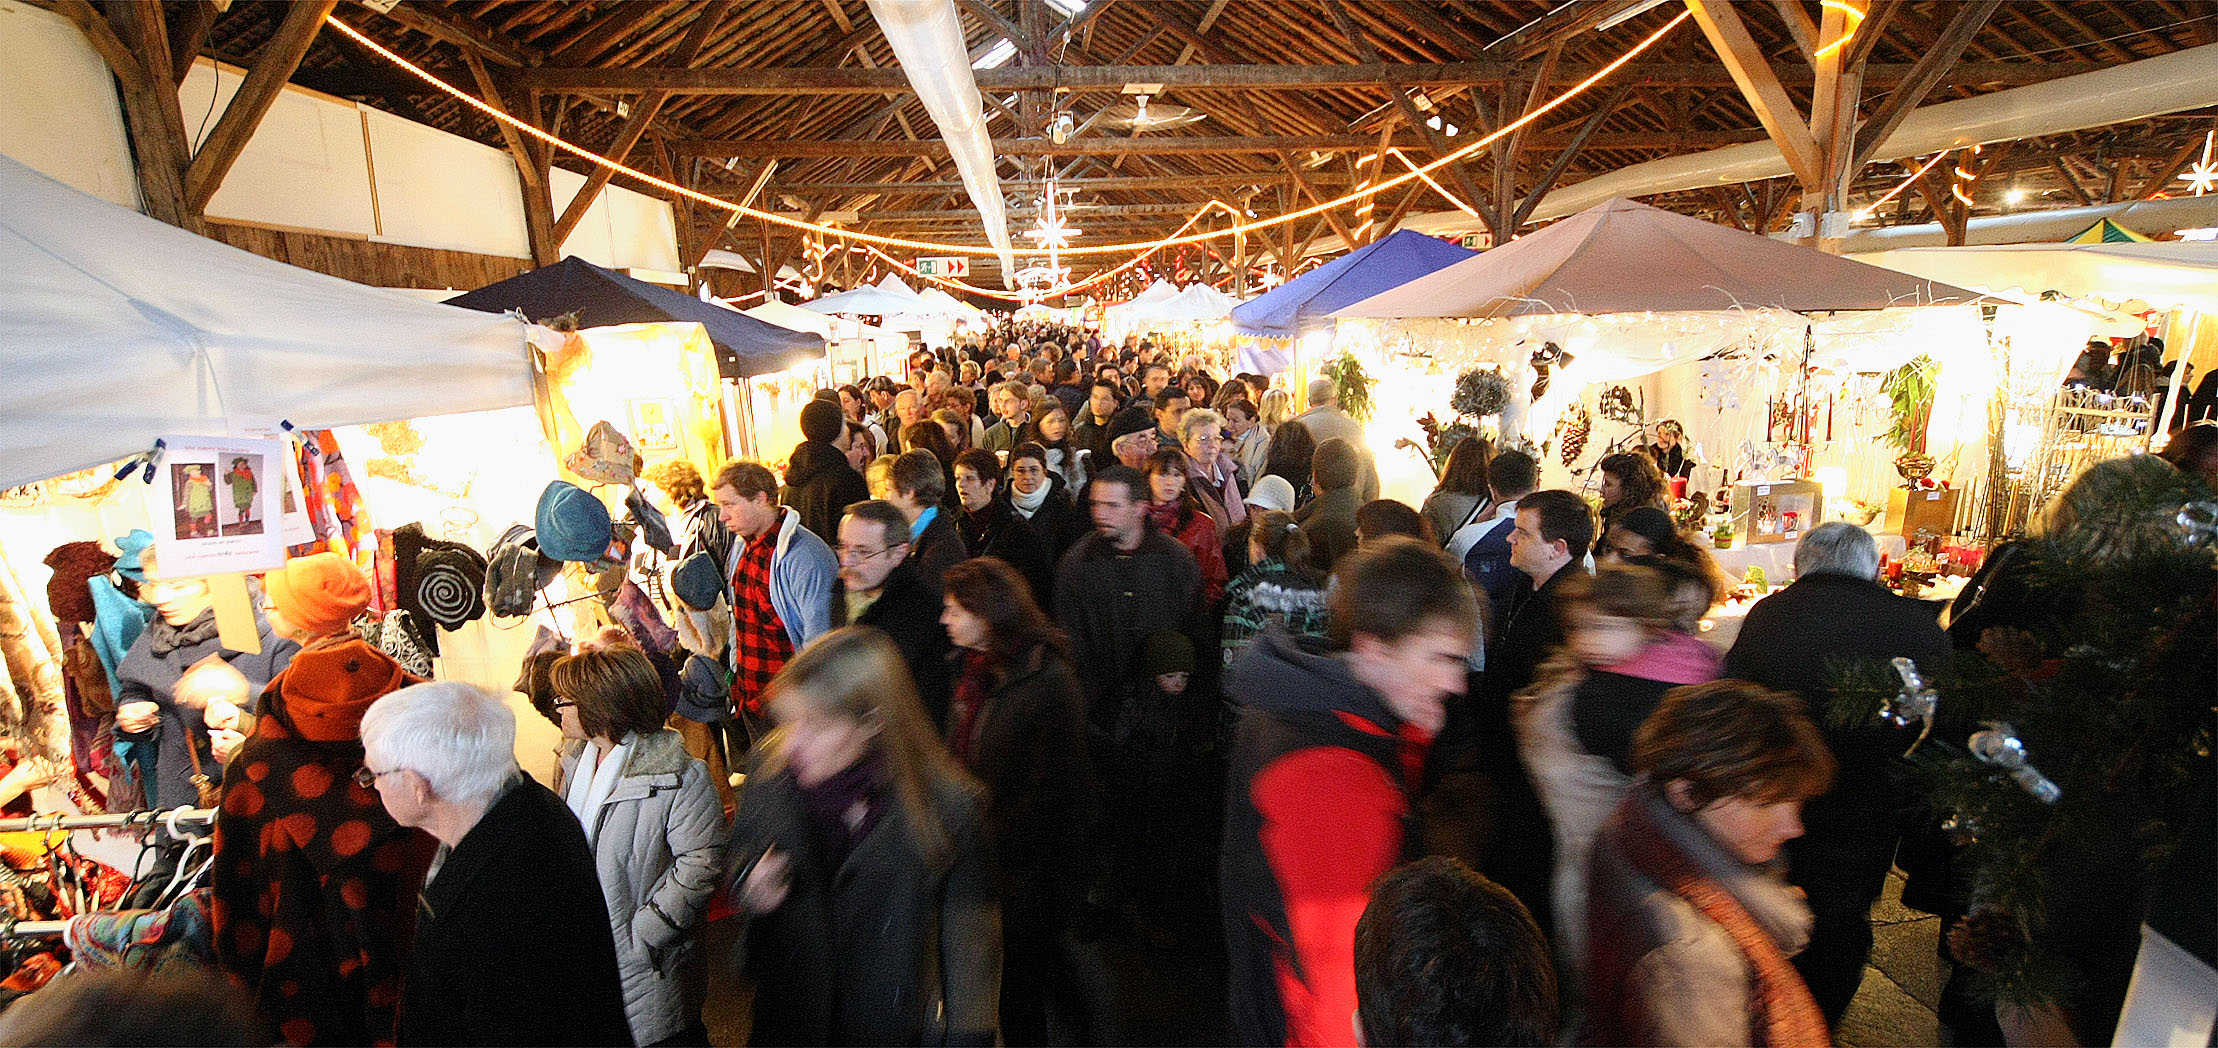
{"x":320,"y":593}
{"x":704,"y":691}
{"x":439,"y":583}
{"x":535,"y":679}
{"x":327,"y":687}
{"x":572,"y":525}
{"x":69,"y":593}
{"x":128,"y":549}
{"x":1166,"y":651}
{"x":516,"y":571}
{"x":1129,"y":421}
{"x":821,"y":421}
{"x":606,"y":456}
{"x":1272,"y":492}
{"x":697,"y":581}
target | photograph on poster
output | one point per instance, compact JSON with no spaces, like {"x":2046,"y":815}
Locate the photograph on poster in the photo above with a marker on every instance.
{"x":222,"y":496}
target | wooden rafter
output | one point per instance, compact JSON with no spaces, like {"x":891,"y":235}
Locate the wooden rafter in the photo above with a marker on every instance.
{"x":1927,"y":73}
{"x":642,"y":118}
{"x":256,"y":93}
{"x":1761,"y":87}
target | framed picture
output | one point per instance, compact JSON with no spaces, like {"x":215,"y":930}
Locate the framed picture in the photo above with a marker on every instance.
{"x":655,"y":425}
{"x":218,"y":506}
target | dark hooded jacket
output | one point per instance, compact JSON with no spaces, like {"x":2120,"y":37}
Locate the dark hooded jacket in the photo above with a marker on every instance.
{"x":1319,"y":760}
{"x":150,"y":672}
{"x":820,"y":485}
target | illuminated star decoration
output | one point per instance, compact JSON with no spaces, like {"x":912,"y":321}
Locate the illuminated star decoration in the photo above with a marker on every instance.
{"x":2203,"y":177}
{"x":1054,"y":234}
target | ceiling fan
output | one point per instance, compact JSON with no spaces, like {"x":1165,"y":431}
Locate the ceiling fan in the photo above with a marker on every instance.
{"x":1139,"y":115}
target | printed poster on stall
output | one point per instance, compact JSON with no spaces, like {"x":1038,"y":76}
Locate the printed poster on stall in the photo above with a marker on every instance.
{"x":217,"y":506}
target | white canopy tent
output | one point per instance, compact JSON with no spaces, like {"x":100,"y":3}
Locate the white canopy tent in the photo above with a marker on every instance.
{"x":876,"y":350}
{"x":116,"y":329}
{"x":886,"y":298}
{"x":2164,"y":275}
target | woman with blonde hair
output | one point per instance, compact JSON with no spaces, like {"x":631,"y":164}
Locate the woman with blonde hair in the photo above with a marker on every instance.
{"x":1276,"y":407}
{"x":860,"y":862}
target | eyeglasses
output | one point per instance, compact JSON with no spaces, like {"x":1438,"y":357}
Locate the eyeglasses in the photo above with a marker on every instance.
{"x":367,"y":779}
{"x":860,"y":554}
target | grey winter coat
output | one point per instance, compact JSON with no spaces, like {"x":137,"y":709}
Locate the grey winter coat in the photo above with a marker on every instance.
{"x":658,"y":852}
{"x":1658,"y":971}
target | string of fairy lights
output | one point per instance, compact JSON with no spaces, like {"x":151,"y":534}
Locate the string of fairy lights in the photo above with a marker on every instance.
{"x":1140,"y":250}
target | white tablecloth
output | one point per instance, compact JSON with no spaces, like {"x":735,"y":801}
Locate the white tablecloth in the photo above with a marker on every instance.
{"x":1777,"y":558}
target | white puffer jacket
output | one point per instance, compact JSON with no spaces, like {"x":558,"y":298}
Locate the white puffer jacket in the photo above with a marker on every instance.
{"x":657,"y":851}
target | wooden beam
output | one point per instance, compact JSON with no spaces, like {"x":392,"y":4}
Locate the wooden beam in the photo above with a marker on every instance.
{"x":151,"y":114}
{"x":1579,"y":139}
{"x":104,"y":41}
{"x":1347,"y":236}
{"x":993,"y":20}
{"x":256,"y":94}
{"x":2170,"y":169}
{"x":1507,"y":151}
{"x":443,"y":23}
{"x":2071,"y":182}
{"x":1761,"y":87}
{"x":186,"y":35}
{"x":1411,"y":115}
{"x":531,"y":167}
{"x":1799,"y":26}
{"x":1924,"y":76}
{"x":805,"y":80}
{"x":1946,"y":210}
{"x":643,"y":117}
{"x":1181,"y":145}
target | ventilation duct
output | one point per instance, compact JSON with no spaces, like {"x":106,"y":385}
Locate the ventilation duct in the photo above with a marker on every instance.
{"x":2172,"y":83}
{"x":927,"y":39}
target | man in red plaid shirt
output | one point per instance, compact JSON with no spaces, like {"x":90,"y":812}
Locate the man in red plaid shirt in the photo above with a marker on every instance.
{"x":782,"y":577}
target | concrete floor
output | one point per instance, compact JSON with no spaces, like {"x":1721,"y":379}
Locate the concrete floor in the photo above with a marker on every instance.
{"x":1172,"y":993}
{"x":1902,"y":983}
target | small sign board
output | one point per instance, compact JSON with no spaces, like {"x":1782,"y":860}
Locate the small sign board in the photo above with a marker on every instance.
{"x":944,"y":266}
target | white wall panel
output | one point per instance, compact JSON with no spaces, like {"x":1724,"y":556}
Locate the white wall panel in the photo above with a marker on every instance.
{"x":440,"y":190}
{"x":306,"y":166}
{"x":59,"y":113}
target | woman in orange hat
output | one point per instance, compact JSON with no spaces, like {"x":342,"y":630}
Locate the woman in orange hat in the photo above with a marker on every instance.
{"x":314,"y":883}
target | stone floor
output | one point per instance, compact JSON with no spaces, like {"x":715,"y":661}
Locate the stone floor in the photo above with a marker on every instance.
{"x":1902,"y":984}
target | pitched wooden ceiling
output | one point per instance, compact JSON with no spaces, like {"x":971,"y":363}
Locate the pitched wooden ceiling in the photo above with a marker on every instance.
{"x":799,"y":103}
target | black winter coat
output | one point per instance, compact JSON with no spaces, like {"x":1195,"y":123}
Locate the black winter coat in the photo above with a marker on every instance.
{"x":820,"y":485}
{"x":512,"y":939}
{"x":1059,"y":522}
{"x":885,"y":950}
{"x":939,"y":548}
{"x":999,"y":532}
{"x":1029,"y":746}
{"x":1793,"y":640}
{"x":1108,"y":600}
{"x":909,"y":613}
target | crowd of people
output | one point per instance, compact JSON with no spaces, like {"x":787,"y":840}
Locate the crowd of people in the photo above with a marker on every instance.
{"x":1051,"y":640}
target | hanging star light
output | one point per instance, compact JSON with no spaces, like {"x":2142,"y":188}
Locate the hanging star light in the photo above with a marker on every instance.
{"x":2203,"y":177}
{"x":1054,"y":233}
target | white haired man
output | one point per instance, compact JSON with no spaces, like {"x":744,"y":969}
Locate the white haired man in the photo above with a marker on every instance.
{"x":1325,"y":421}
{"x":512,"y":938}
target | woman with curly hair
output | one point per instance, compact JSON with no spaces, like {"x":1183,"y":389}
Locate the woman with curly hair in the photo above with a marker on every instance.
{"x":1631,"y":480}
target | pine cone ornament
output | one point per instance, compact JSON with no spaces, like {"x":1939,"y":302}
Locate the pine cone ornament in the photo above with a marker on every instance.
{"x":1988,"y":940}
{"x":1576,"y":428}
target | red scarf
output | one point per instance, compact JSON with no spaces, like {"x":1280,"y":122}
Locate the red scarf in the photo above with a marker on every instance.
{"x":1785,"y":1013}
{"x":971,"y":692}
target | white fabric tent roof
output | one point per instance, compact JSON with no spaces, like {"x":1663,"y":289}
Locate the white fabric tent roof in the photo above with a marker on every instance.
{"x":116,"y":329}
{"x":2164,"y":275}
{"x":887,"y":297}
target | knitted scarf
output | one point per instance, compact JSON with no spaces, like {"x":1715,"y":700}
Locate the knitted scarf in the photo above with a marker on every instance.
{"x":1784,"y":1013}
{"x":1027,"y":505}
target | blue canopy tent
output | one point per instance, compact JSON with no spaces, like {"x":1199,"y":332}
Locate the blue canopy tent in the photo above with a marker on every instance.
{"x":1305,"y":303}
{"x":745,"y":346}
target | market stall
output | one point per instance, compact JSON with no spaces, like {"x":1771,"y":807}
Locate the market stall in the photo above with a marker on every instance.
{"x":212,"y":348}
{"x":1774,"y":359}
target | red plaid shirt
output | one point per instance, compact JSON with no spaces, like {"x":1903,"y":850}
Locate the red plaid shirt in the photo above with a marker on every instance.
{"x":759,"y":636}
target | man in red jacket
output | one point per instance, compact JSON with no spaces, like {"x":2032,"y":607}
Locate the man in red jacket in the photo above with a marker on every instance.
{"x":1325,"y":762}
